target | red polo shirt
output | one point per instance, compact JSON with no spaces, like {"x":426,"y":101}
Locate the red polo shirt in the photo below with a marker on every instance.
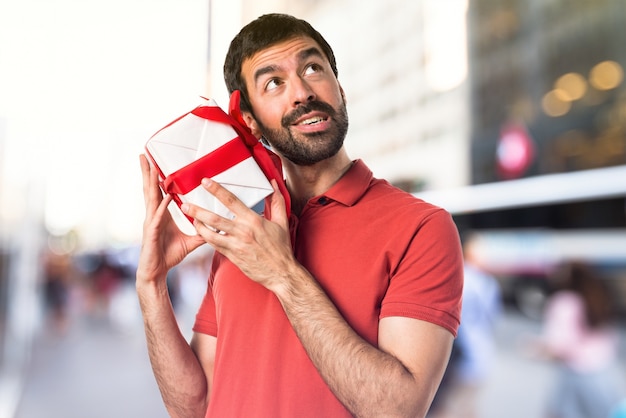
{"x":377,"y":252}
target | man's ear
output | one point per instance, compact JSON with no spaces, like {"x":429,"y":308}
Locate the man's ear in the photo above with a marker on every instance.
{"x":251,"y":122}
{"x":343,"y":94}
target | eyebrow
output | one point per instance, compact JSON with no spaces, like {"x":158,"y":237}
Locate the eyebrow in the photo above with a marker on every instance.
{"x":302,"y":56}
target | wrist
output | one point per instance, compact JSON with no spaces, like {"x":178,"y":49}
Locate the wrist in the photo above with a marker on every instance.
{"x":151,"y":287}
{"x":294,"y":284}
{"x":154,"y":302}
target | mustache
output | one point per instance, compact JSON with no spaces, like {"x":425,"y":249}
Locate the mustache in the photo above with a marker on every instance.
{"x":308,"y":107}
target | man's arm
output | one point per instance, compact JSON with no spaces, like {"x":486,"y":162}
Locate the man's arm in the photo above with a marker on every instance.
{"x":179,"y":374}
{"x":183,"y":381}
{"x":397,"y":379}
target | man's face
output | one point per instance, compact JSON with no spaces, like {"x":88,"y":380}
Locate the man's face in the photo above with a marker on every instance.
{"x":297,"y":101}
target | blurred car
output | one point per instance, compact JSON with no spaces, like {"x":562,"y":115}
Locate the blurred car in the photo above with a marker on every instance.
{"x":523,"y":261}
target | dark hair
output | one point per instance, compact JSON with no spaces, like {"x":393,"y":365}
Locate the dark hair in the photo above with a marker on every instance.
{"x":262,"y":33}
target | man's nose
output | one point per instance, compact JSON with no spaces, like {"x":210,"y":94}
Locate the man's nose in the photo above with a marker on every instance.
{"x":301,"y":91}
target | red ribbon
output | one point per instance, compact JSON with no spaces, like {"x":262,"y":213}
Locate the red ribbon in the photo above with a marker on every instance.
{"x":269,"y":162}
{"x":233,"y":152}
{"x":219,"y":160}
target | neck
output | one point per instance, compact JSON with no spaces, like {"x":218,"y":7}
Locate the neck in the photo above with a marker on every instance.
{"x":305,"y":182}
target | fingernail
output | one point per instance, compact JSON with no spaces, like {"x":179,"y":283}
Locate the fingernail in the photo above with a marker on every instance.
{"x":206,"y":182}
{"x":184,"y":207}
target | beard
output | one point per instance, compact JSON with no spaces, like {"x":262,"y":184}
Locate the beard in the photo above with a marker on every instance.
{"x":306,"y":149}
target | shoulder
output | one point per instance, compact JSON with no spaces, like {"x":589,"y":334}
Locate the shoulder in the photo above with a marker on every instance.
{"x":404,"y":205}
{"x":386,"y":205}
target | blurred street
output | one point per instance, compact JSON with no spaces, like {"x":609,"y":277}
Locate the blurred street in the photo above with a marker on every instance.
{"x":101,"y":370}
{"x":96,"y":370}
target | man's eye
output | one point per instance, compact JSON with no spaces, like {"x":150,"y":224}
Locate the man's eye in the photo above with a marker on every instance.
{"x":272,"y":84}
{"x":312,"y":69}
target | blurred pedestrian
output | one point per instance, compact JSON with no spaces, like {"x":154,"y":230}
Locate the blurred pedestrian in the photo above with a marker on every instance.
{"x":474,"y":348}
{"x":106,"y":280}
{"x":56,"y":290}
{"x":581,"y":336}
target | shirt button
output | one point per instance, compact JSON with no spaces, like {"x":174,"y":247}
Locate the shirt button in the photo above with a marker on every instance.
{"x":322,"y":200}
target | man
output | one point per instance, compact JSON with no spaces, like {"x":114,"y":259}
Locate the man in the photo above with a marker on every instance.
{"x":348,"y":307}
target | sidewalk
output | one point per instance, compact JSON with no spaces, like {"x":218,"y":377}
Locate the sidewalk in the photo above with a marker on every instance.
{"x":99,"y":370}
{"x":94,"y":371}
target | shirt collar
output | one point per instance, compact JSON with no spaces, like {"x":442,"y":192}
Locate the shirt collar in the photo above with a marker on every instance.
{"x":352,"y":186}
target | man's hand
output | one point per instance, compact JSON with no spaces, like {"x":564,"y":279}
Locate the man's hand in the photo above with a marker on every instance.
{"x":184,"y":383}
{"x":261,"y":248}
{"x":163,"y":245}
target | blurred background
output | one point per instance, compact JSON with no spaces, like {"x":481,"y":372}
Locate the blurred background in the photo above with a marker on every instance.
{"x":510,"y":114}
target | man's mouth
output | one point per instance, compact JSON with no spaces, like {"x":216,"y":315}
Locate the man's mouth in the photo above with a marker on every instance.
{"x":312,"y":121}
{"x":309,"y":115}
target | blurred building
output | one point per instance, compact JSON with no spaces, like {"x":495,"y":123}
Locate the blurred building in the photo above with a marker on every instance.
{"x":548,"y":96}
{"x":547,"y":141}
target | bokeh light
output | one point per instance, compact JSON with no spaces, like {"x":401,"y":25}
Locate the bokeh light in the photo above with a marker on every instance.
{"x":571,"y":86}
{"x":606,"y":75}
{"x":556,"y":103}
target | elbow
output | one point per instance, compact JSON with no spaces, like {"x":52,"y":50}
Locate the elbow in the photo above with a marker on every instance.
{"x":402,"y":404}
{"x":194,"y":406}
{"x":399,"y":411}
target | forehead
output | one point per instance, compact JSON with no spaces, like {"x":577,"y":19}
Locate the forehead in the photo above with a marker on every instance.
{"x":278,"y":55}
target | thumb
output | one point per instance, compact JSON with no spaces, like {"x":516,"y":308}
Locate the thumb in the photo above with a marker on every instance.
{"x":277,"y":210}
{"x":193,"y":241}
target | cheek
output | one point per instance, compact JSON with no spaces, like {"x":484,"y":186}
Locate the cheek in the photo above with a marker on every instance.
{"x":270,"y":119}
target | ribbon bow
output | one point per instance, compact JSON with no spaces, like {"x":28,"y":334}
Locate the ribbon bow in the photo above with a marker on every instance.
{"x":228,"y":155}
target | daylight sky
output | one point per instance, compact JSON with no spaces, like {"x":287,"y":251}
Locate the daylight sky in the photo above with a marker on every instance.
{"x":83,"y":84}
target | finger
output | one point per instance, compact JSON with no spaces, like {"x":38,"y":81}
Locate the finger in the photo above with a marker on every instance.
{"x":155,"y":218}
{"x":151,"y":191}
{"x":212,"y":236}
{"x":204,"y":217}
{"x":228,"y":199}
{"x":278,"y":211}
{"x":194,"y":241}
{"x":154,"y":183}
{"x":145,"y":176}
{"x":162,"y":208}
{"x":206,"y":230}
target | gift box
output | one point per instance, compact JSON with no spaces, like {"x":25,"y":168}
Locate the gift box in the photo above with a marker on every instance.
{"x":207,"y":142}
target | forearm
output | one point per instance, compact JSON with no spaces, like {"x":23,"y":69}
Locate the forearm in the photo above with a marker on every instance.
{"x":368,"y":381}
{"x":181,"y":379}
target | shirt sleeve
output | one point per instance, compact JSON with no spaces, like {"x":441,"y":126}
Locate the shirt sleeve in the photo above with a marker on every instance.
{"x":428,"y":282}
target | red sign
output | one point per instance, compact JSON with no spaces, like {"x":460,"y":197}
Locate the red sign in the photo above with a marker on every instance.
{"x":515,"y":152}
